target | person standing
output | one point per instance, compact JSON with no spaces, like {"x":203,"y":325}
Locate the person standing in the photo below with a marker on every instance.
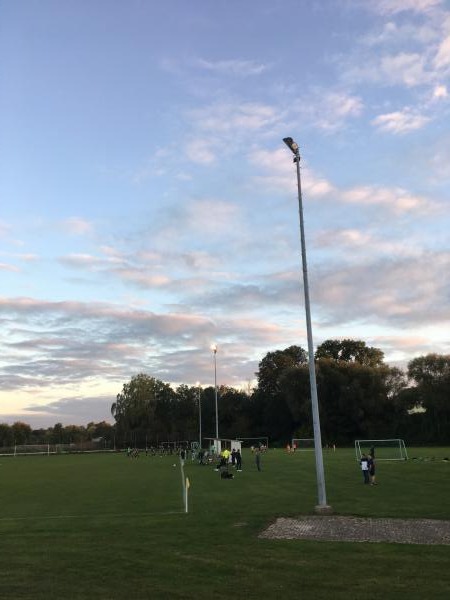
{"x":238,"y":460}
{"x":371,"y":468}
{"x":258,"y":459}
{"x":364,"y":462}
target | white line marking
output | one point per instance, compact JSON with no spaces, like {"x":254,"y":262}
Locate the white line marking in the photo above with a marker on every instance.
{"x":90,"y":517}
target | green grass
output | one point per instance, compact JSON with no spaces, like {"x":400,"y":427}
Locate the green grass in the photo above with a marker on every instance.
{"x":107,"y":527}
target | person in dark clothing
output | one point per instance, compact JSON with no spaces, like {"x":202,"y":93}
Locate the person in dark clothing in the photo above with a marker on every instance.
{"x":371,"y":467}
{"x":238,"y":460}
{"x":364,"y":462}
{"x":258,"y":459}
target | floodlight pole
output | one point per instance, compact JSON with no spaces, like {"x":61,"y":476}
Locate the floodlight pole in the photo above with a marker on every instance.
{"x":214,"y":349}
{"x":322,"y":506}
{"x":199,"y":392}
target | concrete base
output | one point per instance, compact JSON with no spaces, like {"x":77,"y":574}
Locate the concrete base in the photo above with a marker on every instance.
{"x":323,"y":509}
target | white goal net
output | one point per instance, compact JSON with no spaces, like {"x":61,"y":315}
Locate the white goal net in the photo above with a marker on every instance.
{"x":389,"y":449}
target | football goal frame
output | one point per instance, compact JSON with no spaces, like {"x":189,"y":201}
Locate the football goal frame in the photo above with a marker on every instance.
{"x":27,"y":449}
{"x":303,"y":444}
{"x":387,"y":449}
{"x":262,"y":438}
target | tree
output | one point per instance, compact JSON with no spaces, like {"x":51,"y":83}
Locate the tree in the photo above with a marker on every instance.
{"x":431,"y":376}
{"x":100,"y":430}
{"x":21,"y":432}
{"x":233,"y":413}
{"x":273,"y":365}
{"x":57,"y":434}
{"x":355,"y":400}
{"x":6,"y":435}
{"x":135,"y":407}
{"x":275,"y":418}
{"x":185,"y":412}
{"x":350,"y":351}
{"x":74,"y":434}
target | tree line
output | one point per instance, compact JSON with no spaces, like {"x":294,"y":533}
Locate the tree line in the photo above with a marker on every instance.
{"x":360,"y":397}
{"x":20,"y":434}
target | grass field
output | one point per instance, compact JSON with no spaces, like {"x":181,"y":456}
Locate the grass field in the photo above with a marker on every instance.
{"x":108,"y":527}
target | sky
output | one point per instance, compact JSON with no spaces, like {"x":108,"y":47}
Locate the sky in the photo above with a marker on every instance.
{"x":149,"y":208}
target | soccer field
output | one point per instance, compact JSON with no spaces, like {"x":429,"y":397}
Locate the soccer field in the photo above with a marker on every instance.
{"x":110,"y":527}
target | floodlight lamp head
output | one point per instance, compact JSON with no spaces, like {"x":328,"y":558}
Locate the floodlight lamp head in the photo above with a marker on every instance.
{"x":293,"y":146}
{"x":214,"y":348}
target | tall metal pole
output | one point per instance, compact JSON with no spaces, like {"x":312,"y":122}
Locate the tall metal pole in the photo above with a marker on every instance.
{"x":214,"y":349}
{"x":320,"y":475}
{"x":199,"y":416}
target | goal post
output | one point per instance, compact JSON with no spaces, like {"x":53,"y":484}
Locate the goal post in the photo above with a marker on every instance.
{"x":388,"y":449}
{"x":302,"y":444}
{"x":248,"y":442}
{"x":26,"y":449}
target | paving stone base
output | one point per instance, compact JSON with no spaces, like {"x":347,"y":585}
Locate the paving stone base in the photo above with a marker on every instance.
{"x":358,"y":529}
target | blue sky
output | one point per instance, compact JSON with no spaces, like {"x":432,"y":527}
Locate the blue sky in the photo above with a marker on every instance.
{"x":148,"y":206}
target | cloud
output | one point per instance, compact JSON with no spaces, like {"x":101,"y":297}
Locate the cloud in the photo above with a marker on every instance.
{"x":342,"y":237}
{"x":438,"y":159}
{"x":152,"y":167}
{"x":279,"y":174}
{"x":63,"y":342}
{"x":399,"y":292}
{"x":442,"y":58}
{"x":279,"y":177}
{"x":392,"y":7}
{"x":233,"y":117}
{"x":396,"y":35}
{"x":364,"y":242}
{"x":141,"y":278}
{"x":410,"y":50}
{"x":235,"y":67}
{"x":400,"y":122}
{"x":5,"y":229}
{"x":8,"y":267}
{"x":28,"y":257}
{"x":396,"y":200}
{"x":56,"y":345}
{"x":73,"y":410}
{"x":77,"y":226}
{"x":332,"y":110}
{"x":239,"y":67}
{"x":83,"y":261}
{"x":211,"y":216}
{"x":440,"y":91}
{"x":201,"y":151}
{"x":406,"y":68}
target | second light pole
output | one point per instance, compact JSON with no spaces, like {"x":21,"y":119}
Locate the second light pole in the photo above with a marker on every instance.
{"x":199,"y":398}
{"x":214,"y":349}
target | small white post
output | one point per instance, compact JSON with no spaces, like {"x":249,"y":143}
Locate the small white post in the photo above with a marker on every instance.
{"x":186,"y":494}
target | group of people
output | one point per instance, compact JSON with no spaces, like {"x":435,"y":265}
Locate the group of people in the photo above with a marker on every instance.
{"x":234,"y":456}
{"x":368,"y":467}
{"x":132,"y":452}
